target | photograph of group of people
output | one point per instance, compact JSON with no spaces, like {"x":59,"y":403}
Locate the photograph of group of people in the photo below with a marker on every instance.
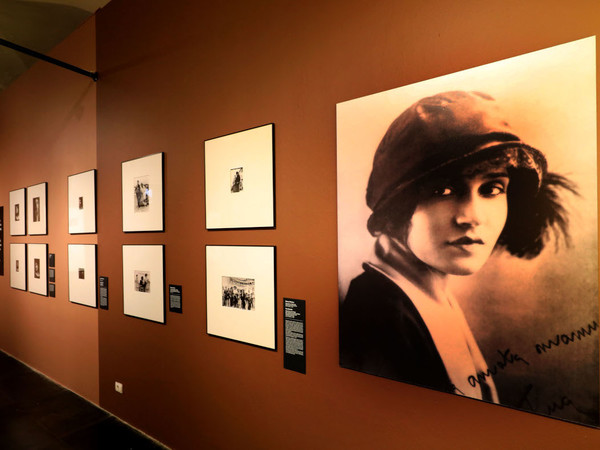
{"x":238,"y":293}
{"x":467,"y":232}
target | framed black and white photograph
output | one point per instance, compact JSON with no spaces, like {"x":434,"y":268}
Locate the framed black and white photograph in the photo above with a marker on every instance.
{"x":37,"y":212}
{"x":143,"y":282}
{"x":37,"y":268}
{"x":239,"y":179}
{"x":18,"y":266}
{"x":17,"y":211}
{"x":240,"y":294}
{"x":82,"y":202}
{"x":142,"y":191}
{"x":471,"y":264}
{"x":51,"y":275}
{"x":82,"y":274}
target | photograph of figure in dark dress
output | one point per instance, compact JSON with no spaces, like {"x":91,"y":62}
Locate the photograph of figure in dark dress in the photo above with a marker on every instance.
{"x":473,"y":228}
{"x":142,"y":194}
{"x":36,"y":209}
{"x":237,"y":179}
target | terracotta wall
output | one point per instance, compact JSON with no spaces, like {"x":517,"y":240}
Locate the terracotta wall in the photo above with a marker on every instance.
{"x":171,"y":78}
{"x":48,"y":132}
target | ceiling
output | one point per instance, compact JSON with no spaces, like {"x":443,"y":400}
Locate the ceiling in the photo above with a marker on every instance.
{"x":38,"y":25}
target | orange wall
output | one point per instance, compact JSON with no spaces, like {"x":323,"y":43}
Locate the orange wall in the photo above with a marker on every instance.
{"x":171,"y":78}
{"x":48,"y":132}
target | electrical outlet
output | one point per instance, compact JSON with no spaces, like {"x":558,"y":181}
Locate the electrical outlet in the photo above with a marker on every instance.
{"x":119,"y":387}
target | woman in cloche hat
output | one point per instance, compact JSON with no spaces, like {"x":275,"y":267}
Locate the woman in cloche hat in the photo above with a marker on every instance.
{"x":451,"y":182}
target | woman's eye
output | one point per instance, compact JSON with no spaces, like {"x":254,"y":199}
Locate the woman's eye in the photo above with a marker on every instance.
{"x":493,"y":189}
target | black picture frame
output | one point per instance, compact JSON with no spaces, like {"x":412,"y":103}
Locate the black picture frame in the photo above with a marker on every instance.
{"x":239,"y":179}
{"x":82,"y":202}
{"x":142,"y":194}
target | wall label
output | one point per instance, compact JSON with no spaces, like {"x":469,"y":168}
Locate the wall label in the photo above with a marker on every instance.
{"x":175,"y":298}
{"x":294,"y":338}
{"x":103,"y":287}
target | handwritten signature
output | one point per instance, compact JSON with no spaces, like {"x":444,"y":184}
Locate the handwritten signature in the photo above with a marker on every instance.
{"x":507,"y":358}
{"x":550,"y":408}
{"x":567,"y":338}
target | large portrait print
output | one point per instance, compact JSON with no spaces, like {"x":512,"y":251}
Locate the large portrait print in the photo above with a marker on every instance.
{"x":467,"y":233}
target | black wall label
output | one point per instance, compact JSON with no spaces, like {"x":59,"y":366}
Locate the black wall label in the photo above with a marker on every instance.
{"x":294,"y":338}
{"x":103,"y":283}
{"x":175,"y":298}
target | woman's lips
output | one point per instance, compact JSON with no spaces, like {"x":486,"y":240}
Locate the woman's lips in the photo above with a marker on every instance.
{"x":465,"y":240}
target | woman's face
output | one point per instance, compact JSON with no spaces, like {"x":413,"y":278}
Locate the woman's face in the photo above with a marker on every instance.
{"x":456,"y":227}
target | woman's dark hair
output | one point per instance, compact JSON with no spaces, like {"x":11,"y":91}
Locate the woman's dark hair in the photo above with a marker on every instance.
{"x":534,"y":212}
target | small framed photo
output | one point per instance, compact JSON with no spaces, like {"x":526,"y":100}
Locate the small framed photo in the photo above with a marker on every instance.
{"x":239,"y":177}
{"x":143,"y":282}
{"x":142,"y":194}
{"x":37,"y":209}
{"x":51,"y":275}
{"x":240,"y":294}
{"x":82,"y":202}
{"x":18,"y":218}
{"x":82,"y":274}
{"x":37,"y":268}
{"x":18,"y":266}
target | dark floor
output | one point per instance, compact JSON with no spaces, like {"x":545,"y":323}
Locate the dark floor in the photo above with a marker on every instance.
{"x":36,"y":413}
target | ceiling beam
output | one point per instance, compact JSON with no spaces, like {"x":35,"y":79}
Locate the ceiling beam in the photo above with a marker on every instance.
{"x":57,"y":62}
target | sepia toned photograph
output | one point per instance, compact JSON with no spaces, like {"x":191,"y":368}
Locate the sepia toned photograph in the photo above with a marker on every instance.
{"x":18,"y":272}
{"x":230,"y":203}
{"x":17,"y":211}
{"x":238,"y":293}
{"x":141,"y":281}
{"x":82,"y":202}
{"x":142,"y":194}
{"x":36,"y":209}
{"x":237,"y":179}
{"x":467,"y":233}
{"x":36,"y":268}
{"x":82,"y":274}
{"x":228,"y":297}
{"x":144,"y":285}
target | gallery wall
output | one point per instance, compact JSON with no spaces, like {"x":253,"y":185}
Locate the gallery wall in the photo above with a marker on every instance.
{"x":48,"y":132}
{"x":170,"y":79}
